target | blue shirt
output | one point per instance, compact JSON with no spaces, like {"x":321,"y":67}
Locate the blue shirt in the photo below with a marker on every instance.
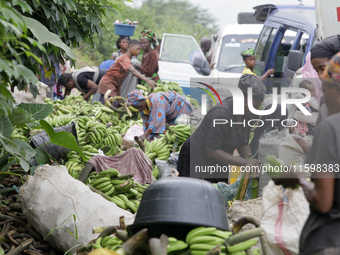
{"x":106,"y":64}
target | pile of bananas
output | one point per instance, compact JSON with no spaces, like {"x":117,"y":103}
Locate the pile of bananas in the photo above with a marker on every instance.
{"x":179,"y":133}
{"x":74,"y":163}
{"x":202,"y":239}
{"x":175,"y":245}
{"x":199,"y":241}
{"x":118,"y":189}
{"x":106,"y":115}
{"x":109,"y":242}
{"x":162,"y":87}
{"x":157,"y":149}
{"x":20,"y":133}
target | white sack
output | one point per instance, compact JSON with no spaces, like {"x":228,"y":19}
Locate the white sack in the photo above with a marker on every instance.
{"x":52,"y":195}
{"x":283,"y":220}
{"x":22,"y":96}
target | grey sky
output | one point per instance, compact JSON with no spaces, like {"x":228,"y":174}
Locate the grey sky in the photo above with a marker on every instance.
{"x":225,"y":11}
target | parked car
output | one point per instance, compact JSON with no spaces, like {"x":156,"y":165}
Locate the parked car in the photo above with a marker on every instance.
{"x":176,"y":63}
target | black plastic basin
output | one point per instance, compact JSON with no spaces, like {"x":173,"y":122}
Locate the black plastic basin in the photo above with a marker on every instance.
{"x":174,"y":206}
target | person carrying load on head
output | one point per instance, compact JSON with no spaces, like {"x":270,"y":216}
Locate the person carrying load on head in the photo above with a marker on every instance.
{"x":250,"y":62}
{"x":158,"y":109}
{"x":149,"y":65}
{"x":86,"y":80}
{"x":117,"y":73}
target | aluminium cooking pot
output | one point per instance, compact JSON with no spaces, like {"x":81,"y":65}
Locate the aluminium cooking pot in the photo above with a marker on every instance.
{"x":174,"y":206}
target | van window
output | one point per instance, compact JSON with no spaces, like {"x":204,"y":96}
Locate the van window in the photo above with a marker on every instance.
{"x":180,"y":49}
{"x":283,"y":50}
{"x":265,"y":42}
{"x":303,"y":45}
{"x":230,"y":58}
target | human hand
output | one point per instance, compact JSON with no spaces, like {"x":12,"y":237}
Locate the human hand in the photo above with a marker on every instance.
{"x":289,"y":179}
{"x":151,"y":83}
{"x":271,"y":71}
{"x":252,"y":162}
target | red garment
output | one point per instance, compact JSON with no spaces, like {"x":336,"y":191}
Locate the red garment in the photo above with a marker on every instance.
{"x":115,"y":76}
{"x":149,"y":65}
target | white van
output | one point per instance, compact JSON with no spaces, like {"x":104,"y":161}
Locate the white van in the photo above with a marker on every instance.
{"x":177,"y":60}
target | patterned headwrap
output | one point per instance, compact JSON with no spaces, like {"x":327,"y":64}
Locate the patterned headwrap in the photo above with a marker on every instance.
{"x":332,"y":70}
{"x":248,"y":52}
{"x":135,"y":96}
{"x":150,"y":35}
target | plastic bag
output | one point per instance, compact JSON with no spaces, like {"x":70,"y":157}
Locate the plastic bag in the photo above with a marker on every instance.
{"x":134,"y":130}
{"x":284,"y":214}
{"x":229,"y":191}
{"x":165,"y":167}
{"x":51,"y":196}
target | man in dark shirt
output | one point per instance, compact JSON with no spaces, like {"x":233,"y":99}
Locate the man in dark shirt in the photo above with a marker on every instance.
{"x":213,"y":145}
{"x":86,"y":80}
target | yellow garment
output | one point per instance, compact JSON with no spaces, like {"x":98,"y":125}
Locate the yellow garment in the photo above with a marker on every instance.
{"x":247,"y":70}
{"x":147,"y":109}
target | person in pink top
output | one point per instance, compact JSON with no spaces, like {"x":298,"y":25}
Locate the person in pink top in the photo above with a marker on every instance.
{"x":309,"y":73}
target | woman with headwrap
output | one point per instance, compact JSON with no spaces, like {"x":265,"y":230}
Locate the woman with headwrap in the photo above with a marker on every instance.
{"x":149,"y":65}
{"x":321,"y":53}
{"x":213,"y":145}
{"x":158,"y":109}
{"x":320,"y":234}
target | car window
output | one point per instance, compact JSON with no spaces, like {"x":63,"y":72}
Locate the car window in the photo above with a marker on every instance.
{"x":265,"y":41}
{"x":232,"y":46}
{"x":180,"y":49}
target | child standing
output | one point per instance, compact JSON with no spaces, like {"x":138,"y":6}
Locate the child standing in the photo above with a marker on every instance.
{"x":250,"y":62}
{"x":117,"y":73}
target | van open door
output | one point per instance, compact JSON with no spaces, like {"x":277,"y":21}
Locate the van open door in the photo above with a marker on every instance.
{"x":181,"y":59}
{"x":327,"y":15}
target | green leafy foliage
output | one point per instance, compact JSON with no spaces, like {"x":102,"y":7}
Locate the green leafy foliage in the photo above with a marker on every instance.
{"x":37,"y":111}
{"x":62,"y":138}
{"x":162,"y":16}
{"x":42,"y":157}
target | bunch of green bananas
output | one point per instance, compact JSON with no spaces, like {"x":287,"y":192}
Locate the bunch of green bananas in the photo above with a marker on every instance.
{"x":175,"y":245}
{"x":274,"y":162}
{"x":202,"y":239}
{"x":181,"y":132}
{"x":106,"y":115}
{"x":74,"y":164}
{"x":20,"y":133}
{"x":122,"y":190}
{"x":194,"y":102}
{"x":155,"y":171}
{"x":109,"y":242}
{"x":161,"y":87}
{"x":158,"y":149}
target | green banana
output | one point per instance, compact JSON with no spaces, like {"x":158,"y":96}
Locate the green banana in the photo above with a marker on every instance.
{"x":242,"y":246}
{"x":177,"y":246}
{"x":206,"y":239}
{"x":200,"y":231}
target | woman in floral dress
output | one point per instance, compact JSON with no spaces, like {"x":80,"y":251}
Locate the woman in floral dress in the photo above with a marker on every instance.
{"x":158,"y":109}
